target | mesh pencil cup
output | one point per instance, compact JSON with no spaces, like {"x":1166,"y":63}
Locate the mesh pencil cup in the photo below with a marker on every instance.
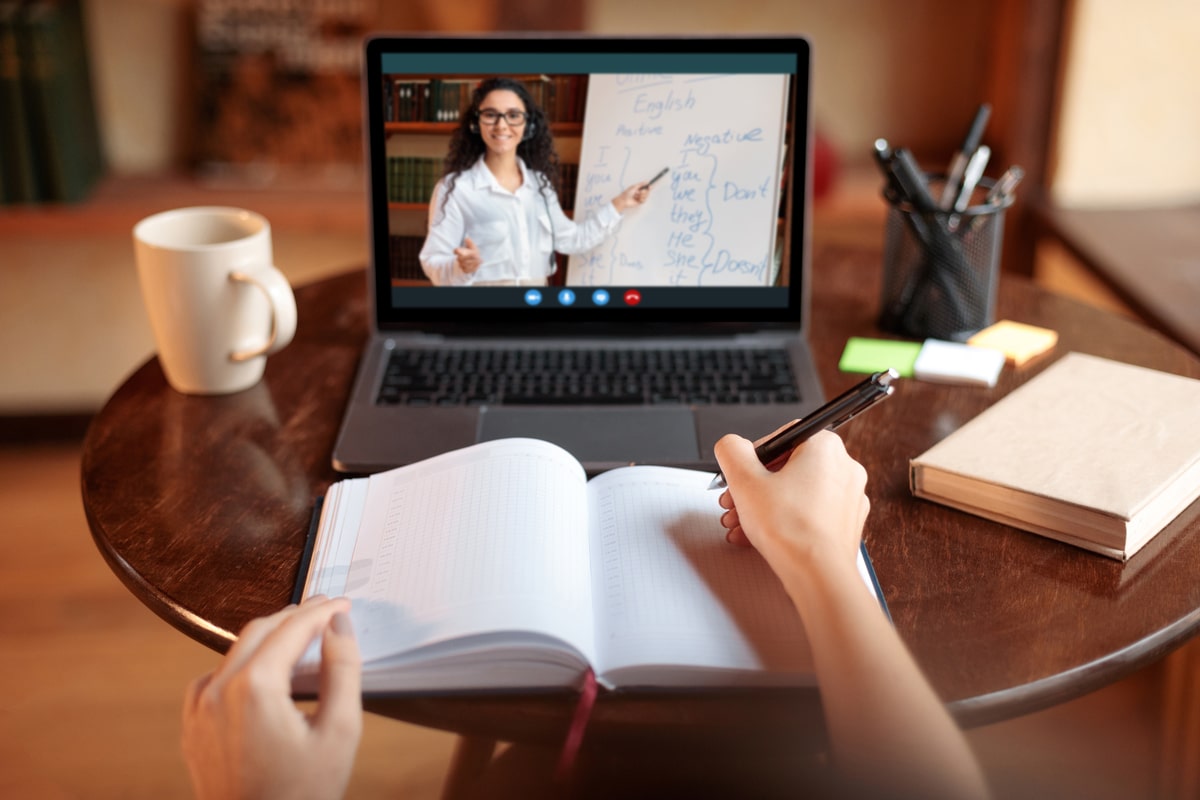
{"x":940,"y":269}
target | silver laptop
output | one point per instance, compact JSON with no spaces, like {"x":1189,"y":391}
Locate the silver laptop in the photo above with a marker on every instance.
{"x":643,"y":335}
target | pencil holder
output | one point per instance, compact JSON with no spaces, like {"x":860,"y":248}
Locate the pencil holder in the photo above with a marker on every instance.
{"x":940,"y":268}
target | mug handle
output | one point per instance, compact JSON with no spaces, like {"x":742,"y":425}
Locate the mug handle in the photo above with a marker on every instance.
{"x":270,"y":282}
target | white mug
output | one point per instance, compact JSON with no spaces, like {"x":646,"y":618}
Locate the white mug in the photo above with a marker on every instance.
{"x":216,"y":302}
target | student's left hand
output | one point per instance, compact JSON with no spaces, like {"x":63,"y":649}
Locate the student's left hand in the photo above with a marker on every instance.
{"x":244,"y":737}
{"x":633,"y":196}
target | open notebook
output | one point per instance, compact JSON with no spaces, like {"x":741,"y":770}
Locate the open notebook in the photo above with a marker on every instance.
{"x":501,"y":566}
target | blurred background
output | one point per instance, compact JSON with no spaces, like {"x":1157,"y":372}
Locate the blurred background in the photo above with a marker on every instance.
{"x":171,"y":102}
{"x":1093,"y":99}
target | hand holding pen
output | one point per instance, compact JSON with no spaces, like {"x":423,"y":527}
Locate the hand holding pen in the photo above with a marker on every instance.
{"x":776,"y":449}
{"x":817,"y":491}
{"x":636,"y":194}
{"x":815,"y":505}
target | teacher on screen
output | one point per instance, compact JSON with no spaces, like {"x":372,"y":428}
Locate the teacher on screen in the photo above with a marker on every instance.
{"x":494,"y":218}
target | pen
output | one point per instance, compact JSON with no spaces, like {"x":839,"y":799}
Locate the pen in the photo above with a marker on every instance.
{"x":885,"y":157}
{"x":1006,"y":185}
{"x":910,"y":180}
{"x":840,"y":410}
{"x":959,"y":165}
{"x":650,"y":182}
{"x":971,"y":177}
{"x":1001,"y":194}
{"x":894,"y":314}
{"x":974,"y":171}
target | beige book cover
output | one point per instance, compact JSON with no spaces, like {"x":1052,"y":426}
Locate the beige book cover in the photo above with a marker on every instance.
{"x":1094,"y":452}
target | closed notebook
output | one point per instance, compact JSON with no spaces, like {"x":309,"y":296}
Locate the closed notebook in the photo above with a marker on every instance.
{"x":1091,"y":451}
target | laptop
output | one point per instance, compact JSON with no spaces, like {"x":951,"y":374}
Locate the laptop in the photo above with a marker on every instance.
{"x":686,"y":319}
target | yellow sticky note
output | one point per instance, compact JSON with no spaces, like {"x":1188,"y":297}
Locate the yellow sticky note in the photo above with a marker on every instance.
{"x":1019,"y":342}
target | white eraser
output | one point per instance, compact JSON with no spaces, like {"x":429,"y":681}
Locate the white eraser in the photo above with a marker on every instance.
{"x":952,"y":362}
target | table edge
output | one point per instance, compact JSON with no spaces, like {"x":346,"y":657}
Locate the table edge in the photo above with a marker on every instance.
{"x":1050,"y":691}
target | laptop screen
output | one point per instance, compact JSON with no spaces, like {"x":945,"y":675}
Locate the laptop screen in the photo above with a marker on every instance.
{"x":588,"y":180}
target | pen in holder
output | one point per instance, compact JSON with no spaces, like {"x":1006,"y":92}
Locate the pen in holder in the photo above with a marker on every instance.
{"x":941,"y":267}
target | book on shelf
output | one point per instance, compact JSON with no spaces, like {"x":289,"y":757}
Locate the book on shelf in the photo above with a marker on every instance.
{"x":563,"y":97}
{"x":49,"y":130}
{"x":1090,"y":451}
{"x":501,"y":566}
{"x":408,"y":99}
{"x":426,"y":99}
{"x":404,"y":256}
{"x":410,"y":179}
{"x":17,"y":182}
{"x":277,"y":90}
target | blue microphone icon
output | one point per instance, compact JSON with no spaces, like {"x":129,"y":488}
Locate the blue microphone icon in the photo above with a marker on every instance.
{"x":566,"y":297}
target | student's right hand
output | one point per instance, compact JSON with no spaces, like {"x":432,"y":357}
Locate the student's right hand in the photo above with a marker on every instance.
{"x":811,"y":510}
{"x":468,"y":256}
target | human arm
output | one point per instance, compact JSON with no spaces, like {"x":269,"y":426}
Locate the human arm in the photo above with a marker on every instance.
{"x":889,"y":732}
{"x":588,"y":231}
{"x":448,"y":257}
{"x":244,"y":737}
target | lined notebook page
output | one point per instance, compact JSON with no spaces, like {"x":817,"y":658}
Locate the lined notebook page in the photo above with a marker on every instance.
{"x":479,"y":540}
{"x":670,"y":590}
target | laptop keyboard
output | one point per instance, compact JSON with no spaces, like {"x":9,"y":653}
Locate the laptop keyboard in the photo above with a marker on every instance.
{"x":456,"y":377}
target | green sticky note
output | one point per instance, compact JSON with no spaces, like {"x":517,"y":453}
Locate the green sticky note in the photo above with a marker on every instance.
{"x":875,"y":355}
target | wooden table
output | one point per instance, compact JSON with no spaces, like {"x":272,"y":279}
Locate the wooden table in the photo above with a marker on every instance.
{"x":200,"y":505}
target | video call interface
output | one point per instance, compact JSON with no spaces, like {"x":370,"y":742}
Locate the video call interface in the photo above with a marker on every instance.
{"x":706,"y":141}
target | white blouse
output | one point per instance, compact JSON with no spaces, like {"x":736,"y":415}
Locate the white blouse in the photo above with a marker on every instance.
{"x":516,"y":233}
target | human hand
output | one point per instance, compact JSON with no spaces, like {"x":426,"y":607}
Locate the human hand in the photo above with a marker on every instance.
{"x":468,"y":256}
{"x":734,"y":534}
{"x":813,"y":507}
{"x":244,"y":737}
{"x":632,"y":196}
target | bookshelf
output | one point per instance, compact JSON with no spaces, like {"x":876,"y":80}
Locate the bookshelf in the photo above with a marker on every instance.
{"x":421,"y":113}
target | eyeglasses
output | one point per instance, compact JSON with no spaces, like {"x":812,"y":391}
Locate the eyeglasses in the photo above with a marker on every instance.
{"x":514,"y":118}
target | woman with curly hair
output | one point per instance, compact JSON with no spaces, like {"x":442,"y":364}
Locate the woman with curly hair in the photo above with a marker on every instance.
{"x":495,"y":219}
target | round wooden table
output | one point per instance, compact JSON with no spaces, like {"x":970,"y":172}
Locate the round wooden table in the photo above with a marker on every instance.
{"x":201,"y":506}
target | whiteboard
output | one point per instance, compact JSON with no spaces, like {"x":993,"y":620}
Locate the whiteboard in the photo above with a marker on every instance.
{"x":713,"y":218}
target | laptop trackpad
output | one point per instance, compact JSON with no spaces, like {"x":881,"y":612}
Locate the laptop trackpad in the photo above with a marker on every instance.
{"x":653,"y":435}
